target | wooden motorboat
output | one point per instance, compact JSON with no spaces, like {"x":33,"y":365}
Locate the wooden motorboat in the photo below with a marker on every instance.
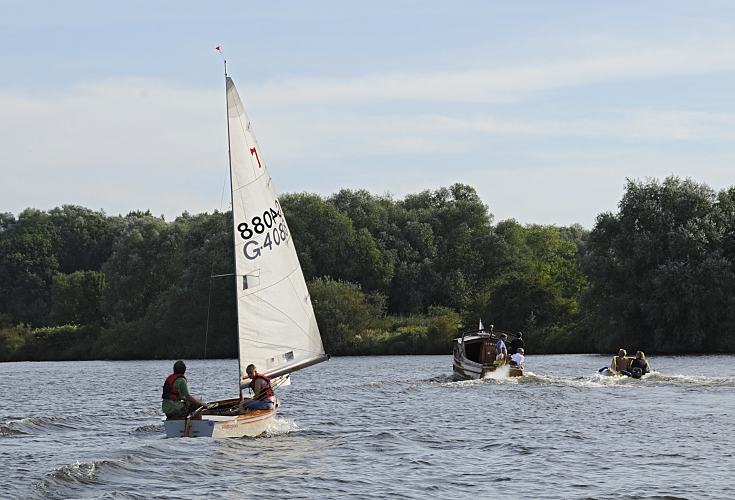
{"x":475,"y":355}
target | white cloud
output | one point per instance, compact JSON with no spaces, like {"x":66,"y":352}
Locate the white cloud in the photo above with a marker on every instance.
{"x":636,"y":124}
{"x":131,"y":143}
{"x":117,"y":144}
{"x":114,"y":122}
{"x":505,"y":84}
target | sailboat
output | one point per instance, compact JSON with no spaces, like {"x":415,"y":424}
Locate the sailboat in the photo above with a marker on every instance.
{"x":276,"y":327}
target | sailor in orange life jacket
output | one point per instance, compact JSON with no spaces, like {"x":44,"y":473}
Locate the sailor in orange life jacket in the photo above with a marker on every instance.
{"x":263,"y":396}
{"x":176,"y":402}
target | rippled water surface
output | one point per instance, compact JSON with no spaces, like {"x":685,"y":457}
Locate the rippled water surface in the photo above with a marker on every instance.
{"x":377,"y":427}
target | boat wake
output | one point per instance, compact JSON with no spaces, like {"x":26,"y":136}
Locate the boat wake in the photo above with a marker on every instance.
{"x":695,"y":380}
{"x":501,"y":373}
{"x":441,"y":379}
{"x":497,"y":377}
{"x":280,"y":426}
{"x":591,"y":381}
{"x":653,"y":378}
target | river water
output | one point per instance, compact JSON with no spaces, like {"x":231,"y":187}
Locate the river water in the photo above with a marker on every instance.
{"x":377,"y":427}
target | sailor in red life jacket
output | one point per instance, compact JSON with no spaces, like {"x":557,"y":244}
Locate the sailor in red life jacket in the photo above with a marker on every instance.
{"x":176,"y":402}
{"x":263,"y":396}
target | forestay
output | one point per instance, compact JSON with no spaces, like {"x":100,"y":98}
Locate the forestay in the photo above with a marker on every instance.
{"x":276,"y":324}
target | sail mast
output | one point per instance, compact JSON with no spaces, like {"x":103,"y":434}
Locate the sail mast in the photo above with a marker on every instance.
{"x":232,"y":211}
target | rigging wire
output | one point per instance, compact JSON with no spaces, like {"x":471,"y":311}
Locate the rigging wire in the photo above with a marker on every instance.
{"x":211,"y":263}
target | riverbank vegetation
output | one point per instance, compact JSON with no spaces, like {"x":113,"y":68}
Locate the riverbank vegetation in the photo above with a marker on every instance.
{"x":386,"y":276}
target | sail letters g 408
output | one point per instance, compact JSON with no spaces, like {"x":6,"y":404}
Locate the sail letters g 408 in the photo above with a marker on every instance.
{"x":253,"y":249}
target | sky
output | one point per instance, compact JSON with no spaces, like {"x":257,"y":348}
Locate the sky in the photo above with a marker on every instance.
{"x":544,"y":107}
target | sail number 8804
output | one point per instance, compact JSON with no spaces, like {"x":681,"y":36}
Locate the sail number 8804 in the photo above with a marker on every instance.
{"x":260,"y":224}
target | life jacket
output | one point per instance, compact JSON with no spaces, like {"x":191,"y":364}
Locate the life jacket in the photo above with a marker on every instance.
{"x":169,"y":389}
{"x":267,"y":391}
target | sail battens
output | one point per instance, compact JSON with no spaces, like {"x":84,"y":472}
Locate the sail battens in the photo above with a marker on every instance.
{"x":258,"y":342}
{"x":264,"y":288}
{"x":292,"y":323}
{"x":235,"y":190}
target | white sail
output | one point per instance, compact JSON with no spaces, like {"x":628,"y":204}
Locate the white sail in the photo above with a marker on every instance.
{"x":277,"y":329}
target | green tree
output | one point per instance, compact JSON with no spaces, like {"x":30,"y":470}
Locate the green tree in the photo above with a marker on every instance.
{"x":85,"y":237}
{"x":343,"y":311}
{"x":145,"y":261}
{"x":77,"y":298}
{"x":203,"y":290}
{"x":27,"y":266}
{"x":328,"y":244}
{"x":659,"y":278}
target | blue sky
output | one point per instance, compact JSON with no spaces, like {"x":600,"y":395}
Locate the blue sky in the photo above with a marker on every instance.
{"x":544,"y":107}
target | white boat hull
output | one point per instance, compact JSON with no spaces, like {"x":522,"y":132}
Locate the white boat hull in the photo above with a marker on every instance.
{"x":251,"y":424}
{"x":465,"y":369}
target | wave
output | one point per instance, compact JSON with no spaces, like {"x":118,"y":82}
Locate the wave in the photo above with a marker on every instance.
{"x":68,"y":480}
{"x":79,"y":472}
{"x":73,"y":475}
{"x":30,"y":425}
{"x":148,"y":429}
{"x":10,"y":430}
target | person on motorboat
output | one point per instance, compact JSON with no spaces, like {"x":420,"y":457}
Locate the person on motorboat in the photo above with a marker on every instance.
{"x":639,"y":366}
{"x":176,"y":401}
{"x":517,"y":343}
{"x":263,"y":396}
{"x":501,"y":351}
{"x":518,"y":358}
{"x":620,"y":363}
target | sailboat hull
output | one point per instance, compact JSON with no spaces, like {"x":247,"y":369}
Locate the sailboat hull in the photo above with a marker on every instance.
{"x":251,"y":424}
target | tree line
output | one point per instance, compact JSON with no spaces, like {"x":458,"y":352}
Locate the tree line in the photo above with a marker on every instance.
{"x":386,"y":276}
